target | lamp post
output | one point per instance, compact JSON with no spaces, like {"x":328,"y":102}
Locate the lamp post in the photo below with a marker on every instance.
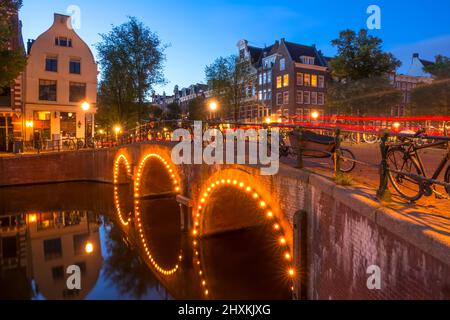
{"x":85,"y":106}
{"x":117,"y":130}
{"x":212,"y":108}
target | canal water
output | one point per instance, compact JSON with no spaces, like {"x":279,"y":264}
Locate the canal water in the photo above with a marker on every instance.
{"x":47,"y":229}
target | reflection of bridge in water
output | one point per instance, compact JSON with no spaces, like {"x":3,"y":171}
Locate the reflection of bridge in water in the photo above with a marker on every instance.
{"x":225,"y":231}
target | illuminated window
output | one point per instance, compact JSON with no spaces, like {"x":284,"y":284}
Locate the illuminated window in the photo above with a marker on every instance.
{"x":279,"y":82}
{"x":314,"y":80}
{"x":299,"y":78}
{"x":269,"y":76}
{"x":286,"y":80}
{"x":307,"y":80}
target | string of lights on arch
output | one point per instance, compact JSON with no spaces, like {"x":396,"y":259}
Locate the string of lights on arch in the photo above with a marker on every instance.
{"x":137,"y":191}
{"x":121,"y":158}
{"x":265,"y":211}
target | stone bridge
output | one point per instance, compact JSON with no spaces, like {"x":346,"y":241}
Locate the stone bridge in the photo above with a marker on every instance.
{"x":333,"y":236}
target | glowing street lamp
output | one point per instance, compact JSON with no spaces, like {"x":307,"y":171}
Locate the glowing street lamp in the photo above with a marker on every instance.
{"x":315,"y":115}
{"x":85,"y":106}
{"x":89,"y":248}
{"x":213,"y":107}
{"x":268,"y":120}
{"x":396,"y":125}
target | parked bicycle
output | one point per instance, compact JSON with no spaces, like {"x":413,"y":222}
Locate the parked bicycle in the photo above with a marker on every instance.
{"x":407,"y":172}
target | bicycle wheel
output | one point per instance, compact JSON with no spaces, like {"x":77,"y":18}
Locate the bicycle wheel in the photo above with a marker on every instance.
{"x":370,"y":138}
{"x":447,"y":180}
{"x":345,"y":164}
{"x":406,"y":186}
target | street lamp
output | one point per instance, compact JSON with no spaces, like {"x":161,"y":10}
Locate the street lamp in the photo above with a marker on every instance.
{"x":315,"y":115}
{"x":89,"y":248}
{"x":85,"y":106}
{"x":117,"y":130}
{"x":213,"y":106}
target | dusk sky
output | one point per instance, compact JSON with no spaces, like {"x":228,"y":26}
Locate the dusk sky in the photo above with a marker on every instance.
{"x":199,"y":31}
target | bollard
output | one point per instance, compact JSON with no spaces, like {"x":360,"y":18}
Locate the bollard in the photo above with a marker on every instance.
{"x":383,"y":192}
{"x":337,"y":153}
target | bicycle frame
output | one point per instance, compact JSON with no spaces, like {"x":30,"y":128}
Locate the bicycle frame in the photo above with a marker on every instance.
{"x":413,"y":151}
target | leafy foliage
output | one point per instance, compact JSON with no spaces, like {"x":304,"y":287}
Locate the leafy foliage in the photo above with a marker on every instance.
{"x":360,"y":73}
{"x":197,"y":109}
{"x":433,"y":98}
{"x":131,"y":59}
{"x":12,"y":62}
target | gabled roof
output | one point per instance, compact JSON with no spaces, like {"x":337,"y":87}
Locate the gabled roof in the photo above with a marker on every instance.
{"x":426,"y":63}
{"x":298,"y":50}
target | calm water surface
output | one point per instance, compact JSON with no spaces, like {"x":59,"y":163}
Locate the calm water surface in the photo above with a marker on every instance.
{"x":45,"y":229}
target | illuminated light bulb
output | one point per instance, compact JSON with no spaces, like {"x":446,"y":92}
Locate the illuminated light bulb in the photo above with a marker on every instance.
{"x":196,"y":224}
{"x":287,"y":256}
{"x":241,"y":185}
{"x":262,"y":204}
{"x":276,"y":227}
{"x":213,"y":186}
{"x":200,"y":207}
{"x":198,"y":262}
{"x":180,"y":257}
{"x":198,"y":215}
{"x":195,"y":243}
{"x":291,"y":272}
{"x":203,"y":283}
{"x":209,"y":190}
{"x":200,"y":273}
{"x":89,"y":248}
{"x":223,"y":181}
{"x":202,"y":200}
{"x":270,"y":214}
{"x":196,"y":253}
{"x":283,"y":241}
{"x":205,"y":195}
{"x":177,"y":189}
{"x":218,"y":183}
{"x":195,"y":232}
{"x":255,"y":195}
{"x":228,"y":181}
{"x":248,"y":189}
{"x":206,"y":292}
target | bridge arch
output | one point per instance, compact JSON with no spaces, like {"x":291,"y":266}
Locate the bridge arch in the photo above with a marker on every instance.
{"x":121,"y":161}
{"x":170,"y":184}
{"x":259,"y":201}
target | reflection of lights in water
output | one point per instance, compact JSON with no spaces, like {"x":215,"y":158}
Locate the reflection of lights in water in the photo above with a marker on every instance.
{"x":118,"y":161}
{"x":268,"y":214}
{"x":89,"y":248}
{"x":137,"y":191}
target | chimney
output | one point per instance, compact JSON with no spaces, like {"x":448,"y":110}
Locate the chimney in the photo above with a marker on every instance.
{"x":62,"y":18}
{"x":29,"y":45}
{"x":415,"y":55}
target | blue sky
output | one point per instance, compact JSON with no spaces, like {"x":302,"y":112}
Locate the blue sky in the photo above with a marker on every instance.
{"x":199,"y":31}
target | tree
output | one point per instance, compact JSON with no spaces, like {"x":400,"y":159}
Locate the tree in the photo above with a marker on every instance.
{"x":12,"y":62}
{"x":229,"y":79}
{"x":360,"y":75}
{"x":433,"y":98}
{"x":197,"y":109}
{"x":173,"y":112}
{"x":131,"y":59}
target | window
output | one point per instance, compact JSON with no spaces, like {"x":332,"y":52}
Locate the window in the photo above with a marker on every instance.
{"x":279,"y":82}
{"x":52,"y":249}
{"x":279,"y":99}
{"x":306,"y":97}
{"x":58,"y":273}
{"x":299,"y":96}
{"x":269,"y":76}
{"x":314,"y":98}
{"x":282,"y":64}
{"x":77,"y":92}
{"x":286,"y":97}
{"x":314,"y":80}
{"x":47,"y":90}
{"x":286,"y":80}
{"x":269,"y":94}
{"x":63,"y":42}
{"x":307,"y":80}
{"x":299,"y":78}
{"x":321,"y":82}
{"x":75,"y":66}
{"x":79,"y":243}
{"x":51,"y":64}
{"x":260,"y":95}
{"x":321,"y":98}
{"x":260,"y":79}
{"x":265,"y":78}
{"x":265,"y":94}
{"x":308,"y":60}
